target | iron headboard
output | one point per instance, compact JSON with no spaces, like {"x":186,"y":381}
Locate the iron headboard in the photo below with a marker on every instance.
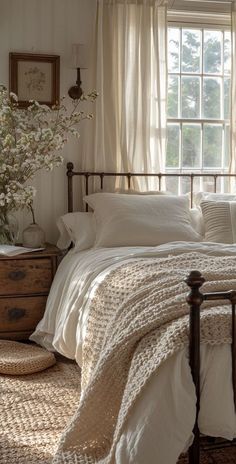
{"x":86,"y":175}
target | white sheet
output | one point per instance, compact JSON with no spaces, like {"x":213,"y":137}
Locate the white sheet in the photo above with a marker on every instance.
{"x":160,"y":425}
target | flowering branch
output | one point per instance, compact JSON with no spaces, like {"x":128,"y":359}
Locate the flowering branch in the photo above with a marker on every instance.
{"x":32,"y":212}
{"x":29,"y":141}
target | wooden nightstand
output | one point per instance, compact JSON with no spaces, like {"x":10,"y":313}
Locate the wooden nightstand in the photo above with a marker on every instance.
{"x":25,"y":281}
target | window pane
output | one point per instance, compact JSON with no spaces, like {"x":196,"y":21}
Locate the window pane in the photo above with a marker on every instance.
{"x":185,"y":185}
{"x":227,"y":53}
{"x":226,"y":98}
{"x":199,"y":89}
{"x":172,"y":185}
{"x":227,"y":147}
{"x":173,"y":96}
{"x":173,"y":49}
{"x":226,"y":184}
{"x":190,"y":97}
{"x":172,"y":152}
{"x":208,"y":184}
{"x":211,"y":97}
{"x":191,"y":140}
{"x":196,"y":184}
{"x":212,"y":52}
{"x":191,"y":47}
{"x":212,"y":145}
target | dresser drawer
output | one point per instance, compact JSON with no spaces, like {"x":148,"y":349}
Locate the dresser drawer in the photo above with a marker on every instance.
{"x":17,"y":314}
{"x":25,"y":276}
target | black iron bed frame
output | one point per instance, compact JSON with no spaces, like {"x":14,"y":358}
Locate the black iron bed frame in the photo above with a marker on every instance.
{"x":195,"y":280}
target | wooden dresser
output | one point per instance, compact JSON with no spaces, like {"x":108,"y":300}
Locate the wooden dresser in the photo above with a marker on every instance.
{"x":25,"y":281}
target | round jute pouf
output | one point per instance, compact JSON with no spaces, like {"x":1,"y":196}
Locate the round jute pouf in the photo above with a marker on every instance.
{"x":21,"y":358}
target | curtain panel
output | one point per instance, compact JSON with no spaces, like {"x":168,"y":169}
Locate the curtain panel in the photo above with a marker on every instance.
{"x":129,"y":70}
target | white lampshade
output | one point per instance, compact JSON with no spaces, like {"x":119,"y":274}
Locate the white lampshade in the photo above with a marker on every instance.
{"x":80,"y":56}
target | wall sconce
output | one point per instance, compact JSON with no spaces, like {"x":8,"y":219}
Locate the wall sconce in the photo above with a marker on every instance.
{"x":79,"y":61}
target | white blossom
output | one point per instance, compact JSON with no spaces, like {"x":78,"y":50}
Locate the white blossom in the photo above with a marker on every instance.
{"x":29,"y":141}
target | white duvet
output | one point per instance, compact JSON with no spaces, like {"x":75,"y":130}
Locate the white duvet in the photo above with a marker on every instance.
{"x":160,"y":425}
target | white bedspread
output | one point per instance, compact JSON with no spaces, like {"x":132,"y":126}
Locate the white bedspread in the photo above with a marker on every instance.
{"x":160,"y":425}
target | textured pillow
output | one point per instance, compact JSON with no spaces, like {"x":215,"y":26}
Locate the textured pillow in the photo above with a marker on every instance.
{"x":219,"y":221}
{"x":78,"y":228}
{"x":141,"y":220}
{"x":200,"y":196}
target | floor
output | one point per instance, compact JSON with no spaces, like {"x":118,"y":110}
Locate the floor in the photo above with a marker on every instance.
{"x":212,"y":455}
{"x":33,"y":416}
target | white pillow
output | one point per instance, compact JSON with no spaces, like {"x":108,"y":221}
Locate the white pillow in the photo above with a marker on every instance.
{"x":200,"y":196}
{"x":197,"y":220}
{"x":141,"y":220}
{"x":78,"y":228}
{"x":219,"y":221}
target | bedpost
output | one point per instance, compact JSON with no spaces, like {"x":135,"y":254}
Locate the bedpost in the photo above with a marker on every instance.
{"x":195,"y":299}
{"x":69,"y":174}
{"x":233,"y":346}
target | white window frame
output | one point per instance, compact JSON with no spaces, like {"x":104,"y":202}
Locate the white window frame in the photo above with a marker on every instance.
{"x":198,"y":21}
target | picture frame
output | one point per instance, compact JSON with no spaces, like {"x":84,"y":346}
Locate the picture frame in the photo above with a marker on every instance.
{"x":35,"y":77}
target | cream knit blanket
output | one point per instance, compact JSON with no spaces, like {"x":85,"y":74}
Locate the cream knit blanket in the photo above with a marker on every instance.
{"x":137,"y":319}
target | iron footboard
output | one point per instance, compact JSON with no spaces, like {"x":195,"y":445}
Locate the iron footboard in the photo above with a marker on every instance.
{"x":195,"y":299}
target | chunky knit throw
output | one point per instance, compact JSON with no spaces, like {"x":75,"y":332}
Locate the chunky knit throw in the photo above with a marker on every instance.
{"x":138,"y":317}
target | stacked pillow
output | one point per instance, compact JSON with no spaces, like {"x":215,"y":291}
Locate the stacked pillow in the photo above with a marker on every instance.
{"x":210,"y":196}
{"x":149,"y":220}
{"x":76,"y":228}
{"x":141,"y":220}
{"x":130,"y":220}
{"x":219,"y":215}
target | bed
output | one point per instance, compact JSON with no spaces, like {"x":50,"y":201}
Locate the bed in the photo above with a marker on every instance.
{"x":104,"y":311}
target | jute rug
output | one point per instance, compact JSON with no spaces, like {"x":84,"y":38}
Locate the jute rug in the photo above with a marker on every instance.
{"x":35,"y":408}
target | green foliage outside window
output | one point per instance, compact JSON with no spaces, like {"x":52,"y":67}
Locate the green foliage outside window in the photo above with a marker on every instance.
{"x":198,"y":98}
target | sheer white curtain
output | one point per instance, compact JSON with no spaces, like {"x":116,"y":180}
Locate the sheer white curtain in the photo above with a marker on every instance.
{"x":129,"y":70}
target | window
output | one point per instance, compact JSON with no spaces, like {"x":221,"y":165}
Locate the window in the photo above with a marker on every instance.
{"x":199,"y":65}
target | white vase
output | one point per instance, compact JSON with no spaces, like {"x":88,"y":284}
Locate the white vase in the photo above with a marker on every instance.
{"x":33,"y":236}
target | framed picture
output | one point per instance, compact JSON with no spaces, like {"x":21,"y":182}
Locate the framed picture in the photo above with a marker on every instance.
{"x":35,"y":77}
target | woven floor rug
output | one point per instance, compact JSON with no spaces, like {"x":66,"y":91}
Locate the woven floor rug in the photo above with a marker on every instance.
{"x":35,"y":408}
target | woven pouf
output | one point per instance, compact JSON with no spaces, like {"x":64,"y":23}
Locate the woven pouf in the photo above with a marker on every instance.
{"x":20,"y":359}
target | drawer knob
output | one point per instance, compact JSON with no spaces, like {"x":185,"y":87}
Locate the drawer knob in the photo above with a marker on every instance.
{"x":17,"y":275}
{"x":15,"y":313}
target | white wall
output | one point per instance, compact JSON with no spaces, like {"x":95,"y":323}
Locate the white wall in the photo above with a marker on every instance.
{"x":47,"y":26}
